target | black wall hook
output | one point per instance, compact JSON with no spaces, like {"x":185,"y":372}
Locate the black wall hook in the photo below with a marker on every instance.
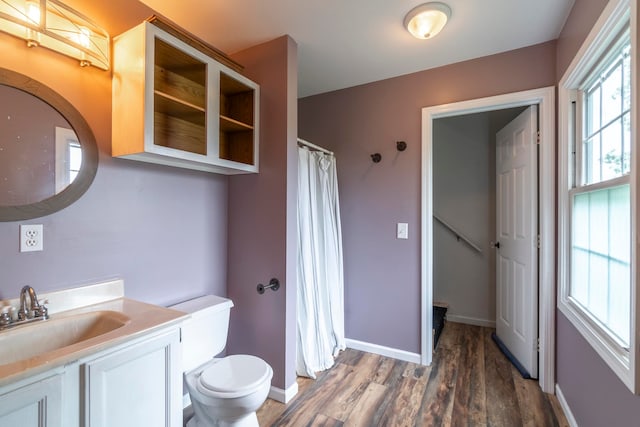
{"x":274,"y":284}
{"x":376,"y":157}
{"x":401,"y":145}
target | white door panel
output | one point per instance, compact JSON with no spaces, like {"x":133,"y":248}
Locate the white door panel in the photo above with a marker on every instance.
{"x":517,"y":268}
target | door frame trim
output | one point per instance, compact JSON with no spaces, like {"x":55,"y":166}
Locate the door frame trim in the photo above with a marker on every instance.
{"x":545,"y":99}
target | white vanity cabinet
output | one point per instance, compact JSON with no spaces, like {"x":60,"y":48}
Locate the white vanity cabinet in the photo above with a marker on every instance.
{"x":138,"y":384}
{"x":37,"y":403}
{"x":132,"y":384}
{"x":173,"y":104}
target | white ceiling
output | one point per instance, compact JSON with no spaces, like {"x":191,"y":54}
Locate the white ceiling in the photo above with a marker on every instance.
{"x":344,"y":43}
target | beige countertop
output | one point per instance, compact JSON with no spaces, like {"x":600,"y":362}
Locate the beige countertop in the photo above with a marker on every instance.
{"x":142,"y":319}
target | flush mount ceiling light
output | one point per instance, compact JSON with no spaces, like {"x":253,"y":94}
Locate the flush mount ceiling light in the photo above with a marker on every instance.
{"x":54,"y":25}
{"x":427,"y":20}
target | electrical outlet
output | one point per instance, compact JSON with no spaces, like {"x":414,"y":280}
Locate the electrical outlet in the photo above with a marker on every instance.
{"x":31,"y":237}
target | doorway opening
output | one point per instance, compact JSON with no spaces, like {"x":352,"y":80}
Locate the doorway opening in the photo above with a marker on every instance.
{"x":544,"y":100}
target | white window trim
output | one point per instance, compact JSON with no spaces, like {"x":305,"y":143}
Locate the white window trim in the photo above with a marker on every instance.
{"x":62,"y":137}
{"x":614,"y":18}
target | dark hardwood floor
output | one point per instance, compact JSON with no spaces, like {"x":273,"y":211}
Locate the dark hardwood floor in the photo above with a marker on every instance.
{"x":470,"y":383}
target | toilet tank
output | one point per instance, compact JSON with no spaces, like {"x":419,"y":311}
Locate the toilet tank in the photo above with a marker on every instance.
{"x":204,"y":334}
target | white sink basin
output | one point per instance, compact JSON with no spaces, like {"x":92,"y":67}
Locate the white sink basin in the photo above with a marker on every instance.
{"x":35,"y":339}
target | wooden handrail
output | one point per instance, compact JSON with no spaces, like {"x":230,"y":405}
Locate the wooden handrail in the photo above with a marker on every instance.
{"x":458,"y":234}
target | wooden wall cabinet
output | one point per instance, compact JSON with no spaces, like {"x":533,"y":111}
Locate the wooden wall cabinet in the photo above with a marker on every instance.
{"x":174,"y":105}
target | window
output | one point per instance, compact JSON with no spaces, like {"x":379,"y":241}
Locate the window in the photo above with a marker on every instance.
{"x":596,"y":268}
{"x":68,"y":156}
{"x":75,"y":160}
{"x":600,"y":250}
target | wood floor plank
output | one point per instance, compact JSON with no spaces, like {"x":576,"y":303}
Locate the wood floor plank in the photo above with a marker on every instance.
{"x":369,"y":366}
{"x":395,"y":374}
{"x":502,"y":407}
{"x":405,"y":399}
{"x":406,"y":402}
{"x":350,"y":356}
{"x":437,"y":401}
{"x":535,"y":409}
{"x":364,"y":412}
{"x":382,"y":373}
{"x":302,"y":410}
{"x":451,"y":335}
{"x":269,"y":412}
{"x":353,"y":386}
{"x":323,"y":421}
{"x":470,"y":383}
{"x":470,"y":402}
{"x":557,"y":411}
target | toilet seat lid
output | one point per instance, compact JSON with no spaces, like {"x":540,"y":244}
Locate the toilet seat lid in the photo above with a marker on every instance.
{"x":235,"y":374}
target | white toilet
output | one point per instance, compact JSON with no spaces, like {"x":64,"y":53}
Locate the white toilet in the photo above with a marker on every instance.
{"x":226,"y":391}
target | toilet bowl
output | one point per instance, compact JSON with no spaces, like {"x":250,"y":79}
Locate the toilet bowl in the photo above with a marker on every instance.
{"x":227,"y":392}
{"x":224,"y":392}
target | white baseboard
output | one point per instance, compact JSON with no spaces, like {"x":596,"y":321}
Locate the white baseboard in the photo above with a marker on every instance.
{"x":565,"y":407}
{"x":471,"y":321}
{"x":283,"y":396}
{"x":384,"y":351}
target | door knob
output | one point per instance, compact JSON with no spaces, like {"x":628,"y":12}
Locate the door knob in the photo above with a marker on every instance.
{"x":495,"y":244}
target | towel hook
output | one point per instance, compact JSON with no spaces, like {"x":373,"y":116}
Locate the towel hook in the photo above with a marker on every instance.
{"x":274,"y":285}
{"x":376,"y":157}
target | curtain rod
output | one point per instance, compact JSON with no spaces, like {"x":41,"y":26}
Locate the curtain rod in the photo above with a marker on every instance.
{"x":314,"y":146}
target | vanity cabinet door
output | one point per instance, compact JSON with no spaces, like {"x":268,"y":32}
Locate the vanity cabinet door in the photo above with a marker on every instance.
{"x":137,"y":385}
{"x":38,"y":404}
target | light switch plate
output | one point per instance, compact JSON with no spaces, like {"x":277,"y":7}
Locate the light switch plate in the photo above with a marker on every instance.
{"x":402,"y":230}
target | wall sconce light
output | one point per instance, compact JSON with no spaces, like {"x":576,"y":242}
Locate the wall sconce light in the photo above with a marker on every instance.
{"x":427,"y":20}
{"x":51,"y":24}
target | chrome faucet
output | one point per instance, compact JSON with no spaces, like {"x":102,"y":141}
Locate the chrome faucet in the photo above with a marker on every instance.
{"x":35,"y":310}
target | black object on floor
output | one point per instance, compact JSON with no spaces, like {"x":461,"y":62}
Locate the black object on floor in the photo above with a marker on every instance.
{"x":503,"y":348}
{"x":438,"y":323}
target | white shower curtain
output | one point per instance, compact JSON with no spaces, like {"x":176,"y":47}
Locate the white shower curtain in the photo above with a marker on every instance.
{"x":320,"y":272}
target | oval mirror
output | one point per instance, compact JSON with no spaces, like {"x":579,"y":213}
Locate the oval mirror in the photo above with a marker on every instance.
{"x":48,"y":154}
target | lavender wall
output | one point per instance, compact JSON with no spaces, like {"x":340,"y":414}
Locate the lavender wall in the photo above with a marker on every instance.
{"x":382,"y":274}
{"x":262,"y":222}
{"x":594,"y":393}
{"x":579,"y":22}
{"x":161,"y":229}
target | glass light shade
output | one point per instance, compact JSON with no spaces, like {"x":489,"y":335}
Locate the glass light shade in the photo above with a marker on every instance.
{"x":51,"y":24}
{"x":427,"y":20}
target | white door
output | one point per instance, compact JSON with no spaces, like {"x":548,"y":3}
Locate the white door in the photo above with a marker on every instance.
{"x":517,"y":231}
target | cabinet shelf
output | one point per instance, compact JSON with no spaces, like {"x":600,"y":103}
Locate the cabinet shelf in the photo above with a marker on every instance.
{"x":227,"y":124}
{"x":169,"y":105}
{"x":237,"y":120}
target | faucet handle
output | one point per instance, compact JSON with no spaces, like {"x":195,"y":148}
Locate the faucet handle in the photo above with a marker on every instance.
{"x":41,"y":310}
{"x":5,"y":316}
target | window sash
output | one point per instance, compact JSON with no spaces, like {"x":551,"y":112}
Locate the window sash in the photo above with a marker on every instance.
{"x":588,"y":132}
{"x":606,"y":326}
